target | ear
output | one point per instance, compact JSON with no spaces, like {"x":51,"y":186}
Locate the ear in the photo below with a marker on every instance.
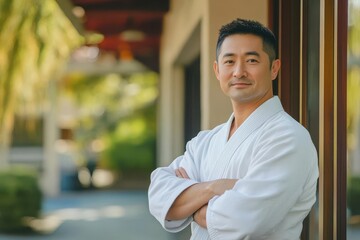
{"x":275,"y":68}
{"x":216,"y":69}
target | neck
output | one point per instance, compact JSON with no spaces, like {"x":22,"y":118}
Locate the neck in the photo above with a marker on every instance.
{"x":242,"y":111}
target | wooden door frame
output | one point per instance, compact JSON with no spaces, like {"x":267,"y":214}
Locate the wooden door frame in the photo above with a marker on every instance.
{"x":284,"y":19}
{"x":333,"y":157}
{"x":341,"y":158}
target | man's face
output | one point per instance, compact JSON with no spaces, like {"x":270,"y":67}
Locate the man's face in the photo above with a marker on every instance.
{"x":243,"y":69}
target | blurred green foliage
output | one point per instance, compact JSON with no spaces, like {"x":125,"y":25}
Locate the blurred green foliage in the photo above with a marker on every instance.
{"x":132,"y":146}
{"x":20,"y":197}
{"x":353,"y":195}
{"x":353,"y":81}
{"x":353,"y":110}
{"x":120,"y":114}
{"x":36,"y":39}
{"x":28,"y":132}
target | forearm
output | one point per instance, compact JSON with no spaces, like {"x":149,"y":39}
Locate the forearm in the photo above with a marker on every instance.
{"x":190,"y":200}
{"x":196,"y":196}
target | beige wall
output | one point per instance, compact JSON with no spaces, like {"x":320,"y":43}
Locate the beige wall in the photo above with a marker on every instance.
{"x":190,"y":29}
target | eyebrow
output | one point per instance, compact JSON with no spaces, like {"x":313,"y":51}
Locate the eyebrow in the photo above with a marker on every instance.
{"x":250,"y":53}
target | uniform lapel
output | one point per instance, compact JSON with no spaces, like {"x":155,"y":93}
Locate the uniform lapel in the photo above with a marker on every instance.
{"x":253,"y":122}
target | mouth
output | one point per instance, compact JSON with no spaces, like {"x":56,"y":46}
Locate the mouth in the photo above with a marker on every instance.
{"x":239,"y":83}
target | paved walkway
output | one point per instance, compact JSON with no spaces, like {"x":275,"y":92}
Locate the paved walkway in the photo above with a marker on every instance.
{"x":106,"y":215}
{"x":99,"y":215}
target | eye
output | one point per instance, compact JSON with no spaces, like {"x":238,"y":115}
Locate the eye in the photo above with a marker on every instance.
{"x":252,"y":60}
{"x":229,"y":61}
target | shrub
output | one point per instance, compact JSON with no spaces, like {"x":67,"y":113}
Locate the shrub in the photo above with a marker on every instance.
{"x":20,"y":197}
{"x":353,"y":196}
{"x":129,"y":157}
{"x":131,"y":147}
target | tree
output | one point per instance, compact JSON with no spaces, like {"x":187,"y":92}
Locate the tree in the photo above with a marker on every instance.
{"x":119,"y":113}
{"x":36,"y":38}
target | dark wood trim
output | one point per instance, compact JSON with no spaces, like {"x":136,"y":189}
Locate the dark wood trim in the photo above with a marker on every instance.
{"x":305,"y":234}
{"x":271,"y":14}
{"x":289,"y":46}
{"x":327,"y":170}
{"x":341,"y":158}
{"x":304,"y":70}
{"x":273,"y":24}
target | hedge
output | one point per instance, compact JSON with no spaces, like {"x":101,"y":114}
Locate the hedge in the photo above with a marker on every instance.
{"x":20,"y":196}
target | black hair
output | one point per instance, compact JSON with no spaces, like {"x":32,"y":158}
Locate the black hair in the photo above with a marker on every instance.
{"x":242,"y":26}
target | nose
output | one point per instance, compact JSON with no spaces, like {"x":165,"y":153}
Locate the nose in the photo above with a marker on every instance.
{"x":239,"y":70}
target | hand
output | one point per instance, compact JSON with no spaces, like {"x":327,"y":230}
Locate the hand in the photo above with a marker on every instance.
{"x":200,"y":216}
{"x":219,"y":186}
{"x":181,"y":173}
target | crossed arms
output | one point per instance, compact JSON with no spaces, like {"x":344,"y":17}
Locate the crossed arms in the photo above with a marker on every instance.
{"x":194,"y":199}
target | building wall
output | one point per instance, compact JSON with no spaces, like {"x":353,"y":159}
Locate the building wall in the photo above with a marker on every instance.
{"x":191,"y":29}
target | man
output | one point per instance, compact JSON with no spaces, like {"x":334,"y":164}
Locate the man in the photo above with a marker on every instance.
{"x":253,"y":177}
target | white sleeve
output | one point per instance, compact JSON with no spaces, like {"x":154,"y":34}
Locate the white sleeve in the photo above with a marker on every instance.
{"x":277,"y":176}
{"x":165,"y":187}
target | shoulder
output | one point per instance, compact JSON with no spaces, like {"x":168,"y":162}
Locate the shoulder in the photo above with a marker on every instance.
{"x":205,"y":136}
{"x":283,"y":122}
{"x":285,"y":132}
{"x":286,"y":138}
{"x":208,"y":133}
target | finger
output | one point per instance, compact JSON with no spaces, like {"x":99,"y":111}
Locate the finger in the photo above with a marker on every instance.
{"x":178,"y":173}
{"x":183,"y":173}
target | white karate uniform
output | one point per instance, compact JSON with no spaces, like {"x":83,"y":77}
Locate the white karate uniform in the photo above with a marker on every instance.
{"x":275,"y":161}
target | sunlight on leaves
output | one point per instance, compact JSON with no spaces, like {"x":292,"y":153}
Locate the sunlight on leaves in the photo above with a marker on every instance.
{"x":120,"y":112}
{"x":36,"y":39}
